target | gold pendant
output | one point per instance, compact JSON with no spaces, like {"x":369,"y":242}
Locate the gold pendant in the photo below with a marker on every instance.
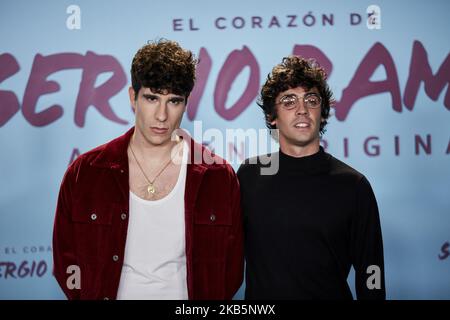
{"x":151,"y":189}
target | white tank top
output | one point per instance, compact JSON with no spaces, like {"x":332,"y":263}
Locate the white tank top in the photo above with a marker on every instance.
{"x":155,"y":253}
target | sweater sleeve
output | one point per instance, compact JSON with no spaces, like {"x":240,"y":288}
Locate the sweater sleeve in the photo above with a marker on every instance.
{"x":367,"y":245}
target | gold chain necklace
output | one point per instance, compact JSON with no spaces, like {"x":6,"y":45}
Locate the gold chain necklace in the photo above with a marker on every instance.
{"x":151,"y":187}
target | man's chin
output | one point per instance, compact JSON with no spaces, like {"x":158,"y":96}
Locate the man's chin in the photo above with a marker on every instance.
{"x":158,"y":140}
{"x":304,"y":141}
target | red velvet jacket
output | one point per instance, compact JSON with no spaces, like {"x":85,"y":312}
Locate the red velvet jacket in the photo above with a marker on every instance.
{"x":91,"y":221}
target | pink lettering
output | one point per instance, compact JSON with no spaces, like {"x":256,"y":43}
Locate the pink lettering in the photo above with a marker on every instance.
{"x":360,"y":86}
{"x":202,"y":75}
{"x":98,"y":97}
{"x":9,"y":104}
{"x":420,"y":71}
{"x":234,"y":64}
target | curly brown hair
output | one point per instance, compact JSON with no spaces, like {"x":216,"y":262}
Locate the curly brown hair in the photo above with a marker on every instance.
{"x":293,"y":72}
{"x":163,"y":66}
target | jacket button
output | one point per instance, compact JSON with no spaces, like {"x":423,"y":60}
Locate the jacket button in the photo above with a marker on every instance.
{"x":115,"y":257}
{"x":121,"y":171}
{"x":93,"y":216}
{"x":123,"y":216}
{"x":212,"y":217}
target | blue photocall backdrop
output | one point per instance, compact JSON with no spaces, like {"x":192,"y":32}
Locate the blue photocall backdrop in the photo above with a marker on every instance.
{"x":64,"y":74}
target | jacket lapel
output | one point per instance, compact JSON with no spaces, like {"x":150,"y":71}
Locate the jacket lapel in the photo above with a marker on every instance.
{"x":114,"y":156}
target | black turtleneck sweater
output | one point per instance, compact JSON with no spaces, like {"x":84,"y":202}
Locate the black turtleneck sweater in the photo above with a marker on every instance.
{"x":305,"y":226}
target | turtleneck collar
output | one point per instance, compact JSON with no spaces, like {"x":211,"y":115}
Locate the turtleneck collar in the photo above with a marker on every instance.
{"x":312,"y":164}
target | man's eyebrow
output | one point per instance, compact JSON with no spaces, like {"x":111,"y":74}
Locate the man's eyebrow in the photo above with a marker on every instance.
{"x":177,"y":98}
{"x":310,"y":93}
{"x":174,"y":98}
{"x":289,"y":95}
{"x":149,"y":95}
{"x":304,"y":94}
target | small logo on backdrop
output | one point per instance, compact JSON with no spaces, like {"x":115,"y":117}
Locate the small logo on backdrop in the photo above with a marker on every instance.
{"x":73,"y":21}
{"x":445,"y":251}
{"x":373,"y":17}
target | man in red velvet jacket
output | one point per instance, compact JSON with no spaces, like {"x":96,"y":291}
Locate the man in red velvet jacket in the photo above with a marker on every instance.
{"x":151,"y":214}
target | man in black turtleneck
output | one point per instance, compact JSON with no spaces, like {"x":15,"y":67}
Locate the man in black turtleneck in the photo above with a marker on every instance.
{"x":309,"y":221}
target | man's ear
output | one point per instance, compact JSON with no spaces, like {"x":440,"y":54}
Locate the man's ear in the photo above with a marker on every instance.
{"x":132,"y":96}
{"x":274,"y":122}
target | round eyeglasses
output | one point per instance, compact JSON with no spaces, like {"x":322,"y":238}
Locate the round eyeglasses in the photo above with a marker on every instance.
{"x":310,"y":100}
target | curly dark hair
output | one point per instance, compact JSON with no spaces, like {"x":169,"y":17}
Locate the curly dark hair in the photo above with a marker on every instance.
{"x":293,"y":72}
{"x":163,"y":66}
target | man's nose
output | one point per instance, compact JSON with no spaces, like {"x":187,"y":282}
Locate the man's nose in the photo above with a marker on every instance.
{"x":161,"y":112}
{"x":301,"y":108}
